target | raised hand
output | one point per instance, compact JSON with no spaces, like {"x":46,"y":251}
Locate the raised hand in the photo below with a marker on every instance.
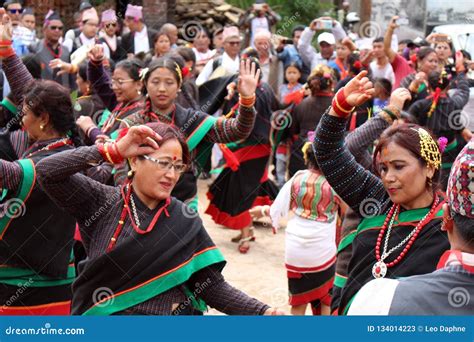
{"x":398,"y":98}
{"x":139,"y":140}
{"x":248,"y":78}
{"x":64,"y":67}
{"x":358,"y":90}
{"x":6,"y":29}
{"x":96,"y":54}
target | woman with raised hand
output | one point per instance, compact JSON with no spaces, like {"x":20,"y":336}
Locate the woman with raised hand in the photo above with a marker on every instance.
{"x":147,"y":253}
{"x":400,"y":207}
{"x":163,"y":80}
{"x":36,"y":266}
{"x":121,"y":94}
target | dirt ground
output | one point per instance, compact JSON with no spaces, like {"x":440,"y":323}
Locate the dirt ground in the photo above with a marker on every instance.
{"x":260,"y":273}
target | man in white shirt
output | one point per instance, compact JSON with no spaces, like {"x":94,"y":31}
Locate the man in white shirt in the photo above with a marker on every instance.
{"x":272,"y":69}
{"x":380,"y":67}
{"x":326,"y":42}
{"x":88,"y":37}
{"x":226,"y":64}
{"x":21,"y":36}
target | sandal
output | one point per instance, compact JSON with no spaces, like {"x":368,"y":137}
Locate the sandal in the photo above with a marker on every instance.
{"x":244,"y":248}
{"x":237,"y":238}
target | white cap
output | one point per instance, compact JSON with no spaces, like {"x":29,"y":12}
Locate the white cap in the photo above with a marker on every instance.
{"x":326,"y":37}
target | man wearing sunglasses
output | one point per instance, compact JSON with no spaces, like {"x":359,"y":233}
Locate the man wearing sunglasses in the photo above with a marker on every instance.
{"x":108,"y":34}
{"x":22,"y":37}
{"x":50,"y":48}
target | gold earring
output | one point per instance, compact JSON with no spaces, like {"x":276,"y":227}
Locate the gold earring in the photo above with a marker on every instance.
{"x":130,"y":174}
{"x":41,"y":127}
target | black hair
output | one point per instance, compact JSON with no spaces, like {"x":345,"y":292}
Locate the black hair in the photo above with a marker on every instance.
{"x":311,"y":162}
{"x":385,"y":84}
{"x":168,"y":132}
{"x":187,"y":53}
{"x":167,"y":62}
{"x":180,"y":61}
{"x":296,"y":29}
{"x":44,"y":96}
{"x":132,"y":67}
{"x":378,"y":40}
{"x":158,"y":35}
{"x":296,"y":65}
{"x":439,"y":80}
{"x":465,"y":228}
{"x":32,"y":64}
{"x":82,"y":70}
{"x":422,"y":53}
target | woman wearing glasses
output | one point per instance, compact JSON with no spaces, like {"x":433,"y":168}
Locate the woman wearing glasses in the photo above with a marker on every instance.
{"x":146,"y":256}
{"x":121,"y":94}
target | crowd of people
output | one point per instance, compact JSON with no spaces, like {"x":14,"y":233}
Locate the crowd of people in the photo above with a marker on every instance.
{"x":106,"y":129}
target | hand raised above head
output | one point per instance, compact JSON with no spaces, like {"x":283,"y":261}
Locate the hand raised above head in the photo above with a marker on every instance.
{"x":248,"y":78}
{"x":358,"y":90}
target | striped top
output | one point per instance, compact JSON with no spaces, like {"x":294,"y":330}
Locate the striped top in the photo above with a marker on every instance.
{"x":313,"y":198}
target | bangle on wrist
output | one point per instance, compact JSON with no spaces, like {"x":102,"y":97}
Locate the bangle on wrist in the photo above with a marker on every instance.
{"x":391,"y":114}
{"x":340,"y":106}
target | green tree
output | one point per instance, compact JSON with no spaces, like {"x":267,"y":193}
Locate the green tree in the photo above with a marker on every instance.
{"x":298,"y":12}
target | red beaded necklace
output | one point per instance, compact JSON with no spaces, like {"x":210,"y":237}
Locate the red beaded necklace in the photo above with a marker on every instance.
{"x":49,"y":147}
{"x":126,"y":212}
{"x":379,"y":270}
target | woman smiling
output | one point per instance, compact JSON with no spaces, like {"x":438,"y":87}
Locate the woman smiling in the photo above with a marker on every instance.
{"x":400,"y":207}
{"x":144,"y":256}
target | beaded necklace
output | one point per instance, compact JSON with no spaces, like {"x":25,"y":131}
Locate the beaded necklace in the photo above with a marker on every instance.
{"x":379,"y":270}
{"x":51,"y":146}
{"x":126,"y":191}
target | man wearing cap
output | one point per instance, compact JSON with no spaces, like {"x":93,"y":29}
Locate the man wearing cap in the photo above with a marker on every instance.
{"x":75,"y":32}
{"x":450,"y":289}
{"x":226,"y":64}
{"x":50,"y":48}
{"x":108,"y":34}
{"x":88,"y":36}
{"x":326,"y":42}
{"x":140,"y":37}
{"x":258,"y":17}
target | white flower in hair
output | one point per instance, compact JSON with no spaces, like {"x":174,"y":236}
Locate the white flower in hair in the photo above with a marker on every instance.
{"x":143,"y":73}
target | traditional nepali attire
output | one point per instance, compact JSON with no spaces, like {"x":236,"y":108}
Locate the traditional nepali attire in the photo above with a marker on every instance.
{"x":200,"y":130}
{"x":45,"y":54}
{"x":310,"y":252}
{"x":36,"y":261}
{"x":110,"y":119}
{"x":130,"y":270}
{"x":244,"y":181}
{"x":445,"y":121}
{"x":366,"y":195}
